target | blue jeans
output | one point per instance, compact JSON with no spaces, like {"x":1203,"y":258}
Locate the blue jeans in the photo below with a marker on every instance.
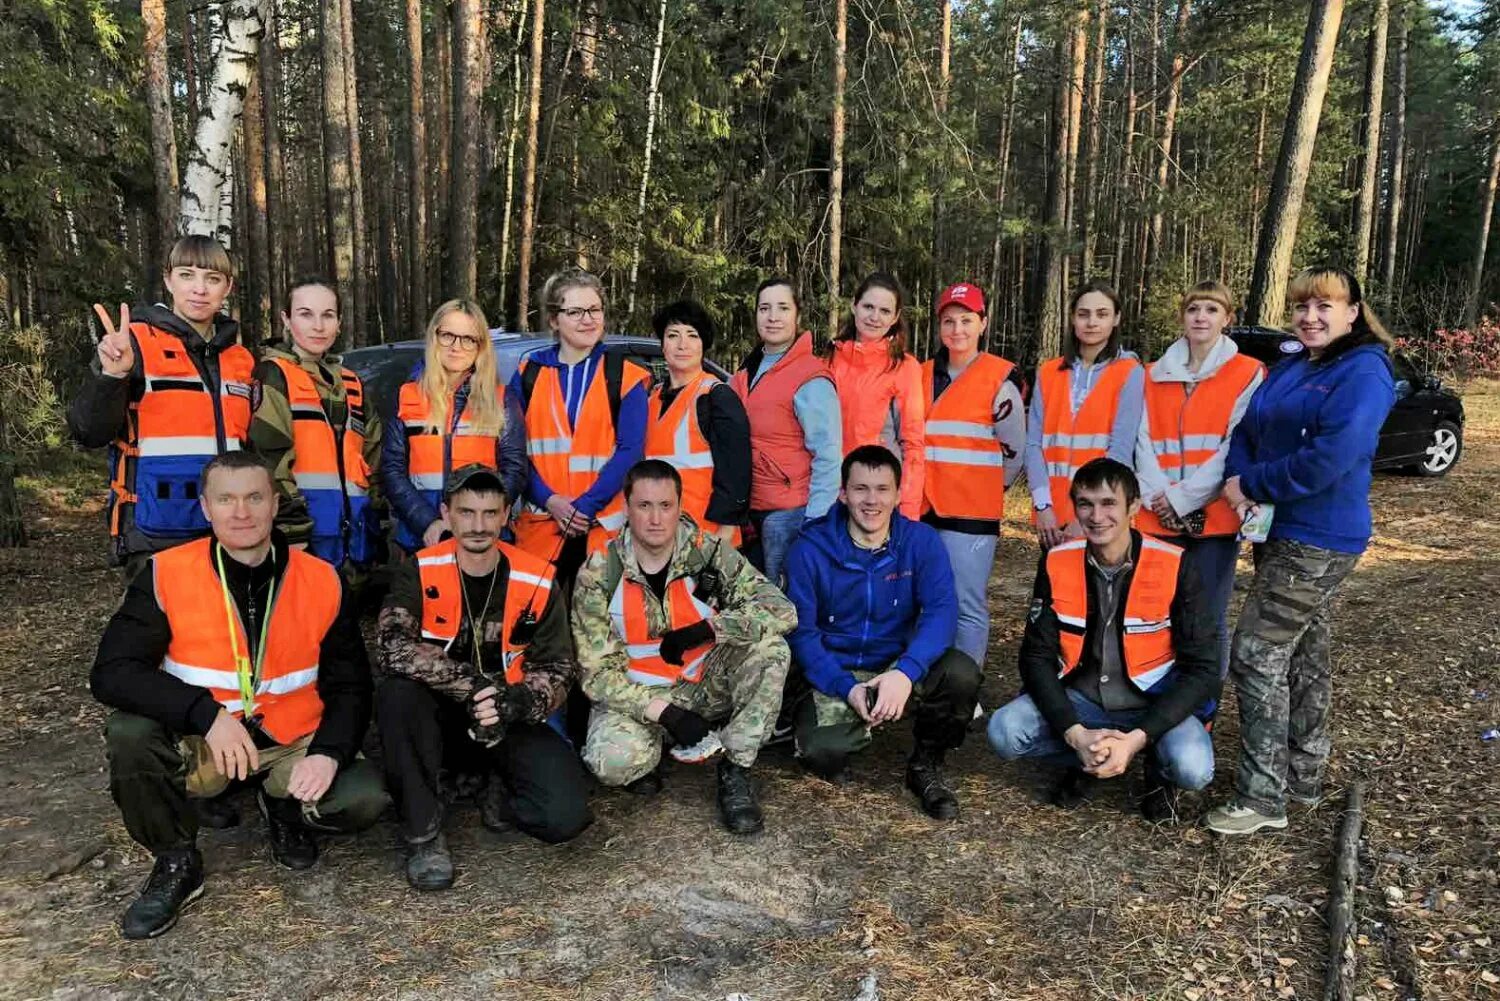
{"x":972,"y":558}
{"x":1214,"y":556}
{"x":1184,"y":755}
{"x":778,"y":530}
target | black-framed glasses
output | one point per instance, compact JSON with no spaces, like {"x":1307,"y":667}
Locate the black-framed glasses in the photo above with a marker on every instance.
{"x":467,"y":341}
{"x":576,"y":313}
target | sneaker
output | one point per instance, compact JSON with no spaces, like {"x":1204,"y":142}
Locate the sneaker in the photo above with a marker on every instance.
{"x":218,"y":813}
{"x":176,"y":880}
{"x":429,"y":867}
{"x":1232,"y":818}
{"x":924,"y":776}
{"x":1072,"y":790}
{"x":699,"y":752}
{"x":781,"y":733}
{"x":738,"y":807}
{"x":292,"y":844}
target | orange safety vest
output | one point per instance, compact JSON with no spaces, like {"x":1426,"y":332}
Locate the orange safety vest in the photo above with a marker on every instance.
{"x":1069,"y":440}
{"x":432,"y":455}
{"x":528,"y":584}
{"x":675,"y":436}
{"x":329,"y":465}
{"x":1148,"y":609}
{"x":780,"y":464}
{"x":965,"y":475}
{"x":627,"y":615}
{"x":172,"y":431}
{"x":201,"y":651}
{"x":568,"y":459}
{"x":1187,"y":429}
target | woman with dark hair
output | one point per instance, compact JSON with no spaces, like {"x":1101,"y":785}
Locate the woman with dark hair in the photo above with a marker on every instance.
{"x":880,"y":382}
{"x":1086,"y":404}
{"x":698,"y":424}
{"x":796,"y":434}
{"x":1303,"y":449}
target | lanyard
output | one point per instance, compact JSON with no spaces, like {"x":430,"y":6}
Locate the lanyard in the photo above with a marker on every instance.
{"x":249,"y":675}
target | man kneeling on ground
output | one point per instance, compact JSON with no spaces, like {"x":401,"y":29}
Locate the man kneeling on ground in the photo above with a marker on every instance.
{"x":230,"y":657}
{"x":876,"y":616}
{"x":474,"y":639}
{"x":675,"y":631}
{"x":1119,"y":655}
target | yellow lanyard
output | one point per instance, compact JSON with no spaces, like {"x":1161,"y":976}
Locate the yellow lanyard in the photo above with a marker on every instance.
{"x":248,"y":674}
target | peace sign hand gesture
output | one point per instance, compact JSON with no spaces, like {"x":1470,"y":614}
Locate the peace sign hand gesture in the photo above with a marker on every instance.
{"x":116,"y":353}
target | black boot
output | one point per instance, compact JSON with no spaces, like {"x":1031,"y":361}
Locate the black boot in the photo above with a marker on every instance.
{"x":646,"y":786}
{"x":924,"y":776}
{"x":292,"y":844}
{"x":429,"y":866}
{"x":175,"y":881}
{"x":1159,"y":802}
{"x":218,"y":812}
{"x":494,"y":807}
{"x":1072,"y":789}
{"x":738,"y":807}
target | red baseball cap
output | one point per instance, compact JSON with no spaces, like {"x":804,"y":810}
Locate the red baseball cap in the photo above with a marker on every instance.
{"x":964,"y":294}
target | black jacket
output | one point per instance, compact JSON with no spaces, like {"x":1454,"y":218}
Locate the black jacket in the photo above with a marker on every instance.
{"x":722,"y":418}
{"x":127,"y":671}
{"x":1194,"y":641}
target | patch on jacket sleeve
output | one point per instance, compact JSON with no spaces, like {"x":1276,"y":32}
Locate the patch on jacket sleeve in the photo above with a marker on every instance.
{"x":256,"y":395}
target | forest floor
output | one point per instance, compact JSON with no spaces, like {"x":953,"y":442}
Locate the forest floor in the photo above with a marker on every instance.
{"x":850,"y":893}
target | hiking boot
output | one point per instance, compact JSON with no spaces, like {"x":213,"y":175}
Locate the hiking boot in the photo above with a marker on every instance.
{"x":494,"y":807}
{"x":1073,"y":789}
{"x":176,"y":880}
{"x":218,"y":812}
{"x":429,"y":867}
{"x":1233,"y":818}
{"x":647,"y":785}
{"x":1159,"y":802}
{"x":738,"y":807}
{"x":292,"y":844}
{"x":924,"y":776}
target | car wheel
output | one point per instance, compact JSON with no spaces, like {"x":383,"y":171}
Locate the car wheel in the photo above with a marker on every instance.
{"x":1444,"y":449}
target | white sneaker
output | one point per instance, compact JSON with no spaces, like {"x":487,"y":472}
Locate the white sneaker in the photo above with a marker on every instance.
{"x":1232,"y":818}
{"x":699,"y":752}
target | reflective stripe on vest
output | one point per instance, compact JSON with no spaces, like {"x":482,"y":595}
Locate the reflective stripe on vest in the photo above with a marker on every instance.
{"x":432,"y":455}
{"x":965,"y":475}
{"x":631,"y":622}
{"x":1147,"y":617}
{"x":1188,"y":429}
{"x":201,"y":650}
{"x":528,"y":582}
{"x":1069,"y":440}
{"x":675,"y":436}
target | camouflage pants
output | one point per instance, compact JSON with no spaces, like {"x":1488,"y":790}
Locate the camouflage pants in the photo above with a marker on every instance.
{"x":740,"y":684}
{"x":1281,"y":670}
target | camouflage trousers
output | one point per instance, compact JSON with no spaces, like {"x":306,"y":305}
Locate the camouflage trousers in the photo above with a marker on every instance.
{"x":1280,"y":665}
{"x":739,"y":684}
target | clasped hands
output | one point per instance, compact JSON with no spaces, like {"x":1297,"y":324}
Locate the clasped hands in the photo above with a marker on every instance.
{"x":1104,"y":753}
{"x":892,"y":690}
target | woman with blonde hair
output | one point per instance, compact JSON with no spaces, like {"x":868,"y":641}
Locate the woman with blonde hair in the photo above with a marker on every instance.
{"x":1303,"y":450}
{"x":451,"y":413}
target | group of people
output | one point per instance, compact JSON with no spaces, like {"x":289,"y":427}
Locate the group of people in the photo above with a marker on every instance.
{"x":590,"y":570}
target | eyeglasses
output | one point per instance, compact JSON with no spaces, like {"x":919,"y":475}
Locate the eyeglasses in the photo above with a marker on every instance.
{"x":576,"y":313}
{"x":466,"y":341}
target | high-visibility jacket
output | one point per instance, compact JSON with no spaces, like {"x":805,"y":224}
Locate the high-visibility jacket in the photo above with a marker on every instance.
{"x":1149,"y":656}
{"x":1187,"y":429}
{"x":1069,"y":440}
{"x":568,"y":458}
{"x":781,"y":465}
{"x":174,"y":429}
{"x":201,"y":651}
{"x":627,"y":616}
{"x":674,"y":435}
{"x":329,"y":466}
{"x":432,"y":455}
{"x":965,"y":475}
{"x":528,"y":585}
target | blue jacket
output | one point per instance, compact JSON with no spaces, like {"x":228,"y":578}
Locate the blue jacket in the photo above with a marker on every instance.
{"x":863,"y":610}
{"x":1307,"y":439}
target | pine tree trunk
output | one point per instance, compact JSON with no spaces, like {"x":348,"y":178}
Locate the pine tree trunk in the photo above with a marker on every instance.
{"x":1049,"y":309}
{"x":945,"y":79}
{"x":1007,"y":132}
{"x":1088,"y":201}
{"x":1273,"y":255}
{"x":836,"y":166}
{"x":417,"y":180}
{"x":275,"y":166}
{"x":257,"y":304}
{"x":528,"y":173}
{"x":336,"y":166}
{"x":1397,"y":164}
{"x":442,"y":94}
{"x":359,"y":283}
{"x":1258,"y":167}
{"x":513,"y":131}
{"x":653,"y":101}
{"x":208,"y":165}
{"x":1078,"y":63}
{"x":1364,"y":206}
{"x":1123,"y":190}
{"x":387,"y":263}
{"x":1481,"y":245}
{"x":12,"y":519}
{"x":1168,"y":131}
{"x":463,"y":220}
{"x":163,"y":130}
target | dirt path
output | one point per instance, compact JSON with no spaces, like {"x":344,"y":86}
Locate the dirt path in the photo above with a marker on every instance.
{"x":1016,"y":900}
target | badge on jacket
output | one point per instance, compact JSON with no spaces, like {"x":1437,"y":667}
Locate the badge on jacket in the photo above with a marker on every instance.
{"x":1036,"y":610}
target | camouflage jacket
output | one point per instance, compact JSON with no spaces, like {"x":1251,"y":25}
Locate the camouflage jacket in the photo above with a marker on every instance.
{"x":271,"y":430}
{"x":550,"y":668}
{"x":748,"y":609}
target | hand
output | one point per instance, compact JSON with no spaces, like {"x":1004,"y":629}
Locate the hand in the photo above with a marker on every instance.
{"x":234,"y":752}
{"x":508,"y":704}
{"x":1088,"y":745}
{"x":1048,"y":532}
{"x":1119,"y":749}
{"x":116,"y":352}
{"x":311,"y":777}
{"x":1162,"y":508}
{"x":859,"y":700}
{"x":568,"y":518}
{"x":482,"y":706}
{"x":1072,"y":530}
{"x":675,"y":643}
{"x":686,"y":727}
{"x":1235,"y":496}
{"x":434,"y":533}
{"x":892,"y":690}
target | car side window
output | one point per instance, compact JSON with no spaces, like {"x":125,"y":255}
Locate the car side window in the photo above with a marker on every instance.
{"x":652,"y":363}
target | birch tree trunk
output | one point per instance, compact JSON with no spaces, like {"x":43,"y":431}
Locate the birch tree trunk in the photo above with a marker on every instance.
{"x":836,"y":171}
{"x":1007,"y":131}
{"x":417,"y":181}
{"x":1054,"y":221}
{"x":653,"y":99}
{"x":336,"y":166}
{"x":528,"y":177}
{"x":257,"y":309}
{"x":1089,"y":201}
{"x":1396,"y":190}
{"x":208,"y":165}
{"x":163,"y":130}
{"x":1278,"y":235}
{"x":1077,"y":64}
{"x":1168,"y":132}
{"x":463,"y":229}
{"x":1364,"y":206}
{"x":1481,"y":245}
{"x":512,"y":132}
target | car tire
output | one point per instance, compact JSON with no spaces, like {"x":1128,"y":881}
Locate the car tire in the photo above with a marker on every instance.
{"x":1443,"y":451}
